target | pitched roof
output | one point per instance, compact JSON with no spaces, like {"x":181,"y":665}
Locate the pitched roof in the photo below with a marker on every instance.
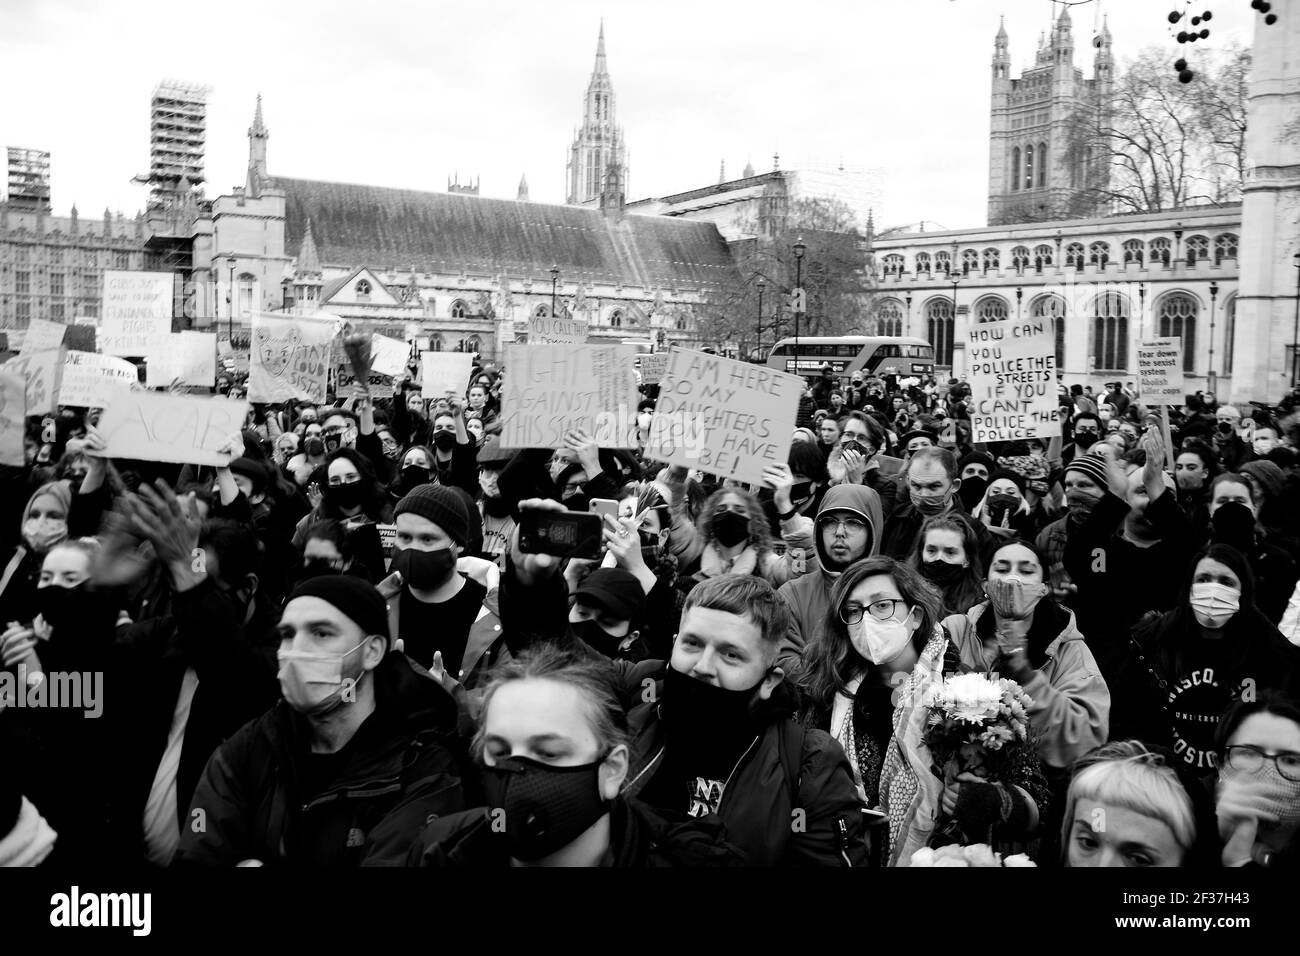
{"x":443,"y":233}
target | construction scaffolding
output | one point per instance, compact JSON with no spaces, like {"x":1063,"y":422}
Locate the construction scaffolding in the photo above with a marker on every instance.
{"x":177,"y":134}
{"x":29,"y":178}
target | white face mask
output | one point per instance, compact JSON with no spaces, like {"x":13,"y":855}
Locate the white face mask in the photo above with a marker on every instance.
{"x":313,"y":683}
{"x":1263,"y":446}
{"x":1214,"y":604}
{"x":880,"y":641}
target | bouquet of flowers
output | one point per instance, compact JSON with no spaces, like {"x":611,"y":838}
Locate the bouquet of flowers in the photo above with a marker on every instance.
{"x":977,"y":854}
{"x":976,"y":721}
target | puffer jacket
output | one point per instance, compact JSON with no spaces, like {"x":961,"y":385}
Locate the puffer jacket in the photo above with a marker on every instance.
{"x":1070,"y":713}
{"x":808,"y":596}
{"x":786,"y":768}
{"x":400,"y":774}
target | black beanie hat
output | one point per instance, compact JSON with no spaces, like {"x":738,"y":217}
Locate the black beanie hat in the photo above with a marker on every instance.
{"x":977,"y":458}
{"x":1015,"y":477}
{"x":355,"y":597}
{"x":442,"y":506}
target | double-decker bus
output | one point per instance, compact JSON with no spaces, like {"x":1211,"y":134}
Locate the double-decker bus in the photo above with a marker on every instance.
{"x":871,"y":354}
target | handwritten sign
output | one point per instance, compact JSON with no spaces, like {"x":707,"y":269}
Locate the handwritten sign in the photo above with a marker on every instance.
{"x":91,"y":380}
{"x":543,"y":330}
{"x":1012,"y":376}
{"x":443,"y":372}
{"x":42,"y":335}
{"x":554,"y":389}
{"x":189,"y":358}
{"x":290,"y":359}
{"x":726,"y":417}
{"x":1160,"y":370}
{"x":388,"y":356}
{"x":13,"y":416}
{"x":345,"y":383}
{"x":155,"y":426}
{"x":653,"y":367}
{"x":40,"y":372}
{"x":137,"y":310}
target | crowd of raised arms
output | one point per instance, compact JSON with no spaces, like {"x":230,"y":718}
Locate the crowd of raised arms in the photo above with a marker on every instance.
{"x":336,"y":650}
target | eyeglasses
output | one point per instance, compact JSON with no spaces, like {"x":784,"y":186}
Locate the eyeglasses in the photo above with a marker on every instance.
{"x":1250,"y":759}
{"x":882,"y":610}
{"x":849,"y":525}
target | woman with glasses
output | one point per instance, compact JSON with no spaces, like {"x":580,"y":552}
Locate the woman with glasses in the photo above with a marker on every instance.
{"x":349,"y":494}
{"x":1257,"y":799}
{"x":1187,"y":665}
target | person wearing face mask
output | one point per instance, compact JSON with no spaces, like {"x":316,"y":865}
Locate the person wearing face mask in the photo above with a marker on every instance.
{"x":1263,"y":441}
{"x":310,"y":455}
{"x":1234,"y":521}
{"x":415,"y":469}
{"x":1257,"y":791}
{"x":1187,"y":665}
{"x":329,"y":551}
{"x":947,"y":556}
{"x":718,"y":735}
{"x":561,"y":801}
{"x":341,"y":428}
{"x":350,"y":765}
{"x":1022,"y":634}
{"x":1003,"y":510}
{"x":482,"y":408}
{"x":797,"y":489}
{"x":1086,"y":427}
{"x":731,"y":537}
{"x":608,"y":614}
{"x":455,"y":458}
{"x":847,"y":530}
{"x":1195,"y":467}
{"x":974,"y":470}
{"x":931,"y":484}
{"x":1278,"y":505}
{"x":348,"y":493}
{"x":1084,"y":483}
{"x":496,"y":512}
{"x":44,"y":524}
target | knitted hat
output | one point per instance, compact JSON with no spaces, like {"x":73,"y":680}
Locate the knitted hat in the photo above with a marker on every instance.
{"x":254,"y":471}
{"x":977,"y":458}
{"x":440,"y":505}
{"x":1090,"y":465}
{"x":356,"y":597}
{"x":615,"y":591}
{"x":1014,"y":477}
{"x":1268,"y":474}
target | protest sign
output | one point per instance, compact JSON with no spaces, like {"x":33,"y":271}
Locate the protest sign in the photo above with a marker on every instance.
{"x":157,"y":426}
{"x":42,"y":335}
{"x":345,"y":383}
{"x":79,"y":337}
{"x":137,"y":310}
{"x":1012,"y":376}
{"x":653,"y":367}
{"x":40,"y":371}
{"x":554,"y":389}
{"x":543,"y":330}
{"x":290,"y":359}
{"x":91,"y":379}
{"x":189,"y":358}
{"x":730,"y":418}
{"x":13,"y":419}
{"x":1160,"y":371}
{"x":388,"y":356}
{"x":443,"y":372}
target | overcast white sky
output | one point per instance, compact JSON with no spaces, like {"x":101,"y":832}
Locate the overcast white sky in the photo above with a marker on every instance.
{"x":407,"y":92}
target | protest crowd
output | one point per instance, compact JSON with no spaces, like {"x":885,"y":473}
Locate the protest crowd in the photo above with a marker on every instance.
{"x":381,"y":633}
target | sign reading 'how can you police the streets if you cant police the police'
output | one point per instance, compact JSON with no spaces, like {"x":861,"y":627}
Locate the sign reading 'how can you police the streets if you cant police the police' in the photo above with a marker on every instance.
{"x":729,"y":418}
{"x":1013,"y":380}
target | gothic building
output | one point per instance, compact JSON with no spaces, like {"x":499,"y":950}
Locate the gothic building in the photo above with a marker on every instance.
{"x":1040,"y":166}
{"x":598,"y":142}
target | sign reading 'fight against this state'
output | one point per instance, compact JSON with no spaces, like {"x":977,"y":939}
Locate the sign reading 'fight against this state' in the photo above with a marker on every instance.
{"x":1012,"y":376}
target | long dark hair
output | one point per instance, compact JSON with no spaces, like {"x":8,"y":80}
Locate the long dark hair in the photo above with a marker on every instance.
{"x":372,"y":502}
{"x":830,"y":660}
{"x":968,"y":590}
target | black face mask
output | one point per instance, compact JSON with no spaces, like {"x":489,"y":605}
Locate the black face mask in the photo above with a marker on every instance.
{"x":60,"y":606}
{"x":546,"y":808}
{"x":412,"y":476}
{"x":971,"y":491}
{"x":317,"y":567}
{"x":800,"y":491}
{"x":1235,"y":525}
{"x":651,"y":551}
{"x":346,"y":496}
{"x":497,"y":507}
{"x":730,"y":528}
{"x":424,"y":570}
{"x":1086,"y":440}
{"x":941,"y":573}
{"x":857,"y":446}
{"x":332,"y":442}
{"x":444,"y":441}
{"x":699,"y":716}
{"x":577,"y":502}
{"x":314,"y":447}
{"x":596,"y":637}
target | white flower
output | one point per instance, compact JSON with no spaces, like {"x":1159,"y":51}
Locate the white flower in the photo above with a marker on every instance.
{"x":923,"y":857}
{"x":1018,"y":860}
{"x":970,"y":697}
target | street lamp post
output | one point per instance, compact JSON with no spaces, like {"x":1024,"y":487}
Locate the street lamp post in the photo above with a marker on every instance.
{"x":1020,"y":294}
{"x":230,"y":301}
{"x":907,"y":300}
{"x":555,"y":277}
{"x":799,"y":250}
{"x":758,"y":344}
{"x":1214,"y":298}
{"x":1295,"y":327}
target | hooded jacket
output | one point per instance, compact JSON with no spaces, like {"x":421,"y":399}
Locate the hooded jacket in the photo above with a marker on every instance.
{"x":808,"y":596}
{"x":399,"y":775}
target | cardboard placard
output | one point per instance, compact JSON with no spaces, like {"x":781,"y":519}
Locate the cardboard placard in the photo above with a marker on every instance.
{"x":653,"y":367}
{"x":189,"y":358}
{"x":1160,"y":371}
{"x":1012,"y":376}
{"x":388,"y":356}
{"x":42,"y":335}
{"x":80,"y":337}
{"x":156,"y":426}
{"x":543,"y":330}
{"x":554,"y":389}
{"x":730,"y":418}
{"x":443,"y":372}
{"x":290,"y":359}
{"x":137,"y":310}
{"x":13,"y":419}
{"x":345,"y":383}
{"x":40,"y":371}
{"x":91,"y":380}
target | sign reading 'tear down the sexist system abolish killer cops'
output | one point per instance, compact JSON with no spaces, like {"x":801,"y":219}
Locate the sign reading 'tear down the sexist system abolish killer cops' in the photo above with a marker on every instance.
{"x":1013,"y":380}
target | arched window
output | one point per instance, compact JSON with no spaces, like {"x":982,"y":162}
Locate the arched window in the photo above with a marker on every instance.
{"x":1110,"y":315}
{"x":1053,"y":306}
{"x":889,"y":318}
{"x":472,"y":344}
{"x":1159,"y":248}
{"x":362,"y":288}
{"x":943,"y":262}
{"x":1029,"y":167}
{"x":1133,"y":251}
{"x":970,"y":259}
{"x":991,"y":259}
{"x":1020,"y":259}
{"x":1225,"y":247}
{"x":1198,"y":247}
{"x":1074,"y":255}
{"x":1042,"y":164}
{"x":893,"y":264}
{"x":939,"y":325}
{"x":1042,"y":256}
{"x":1015,"y":169}
{"x":543,"y":311}
{"x":1229,"y":332}
{"x":616,"y":318}
{"x":1177,"y":319}
{"x":435,"y":343}
{"x":923,"y":263}
{"x":459,"y":309}
{"x":1099,"y":254}
{"x":991,"y":308}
